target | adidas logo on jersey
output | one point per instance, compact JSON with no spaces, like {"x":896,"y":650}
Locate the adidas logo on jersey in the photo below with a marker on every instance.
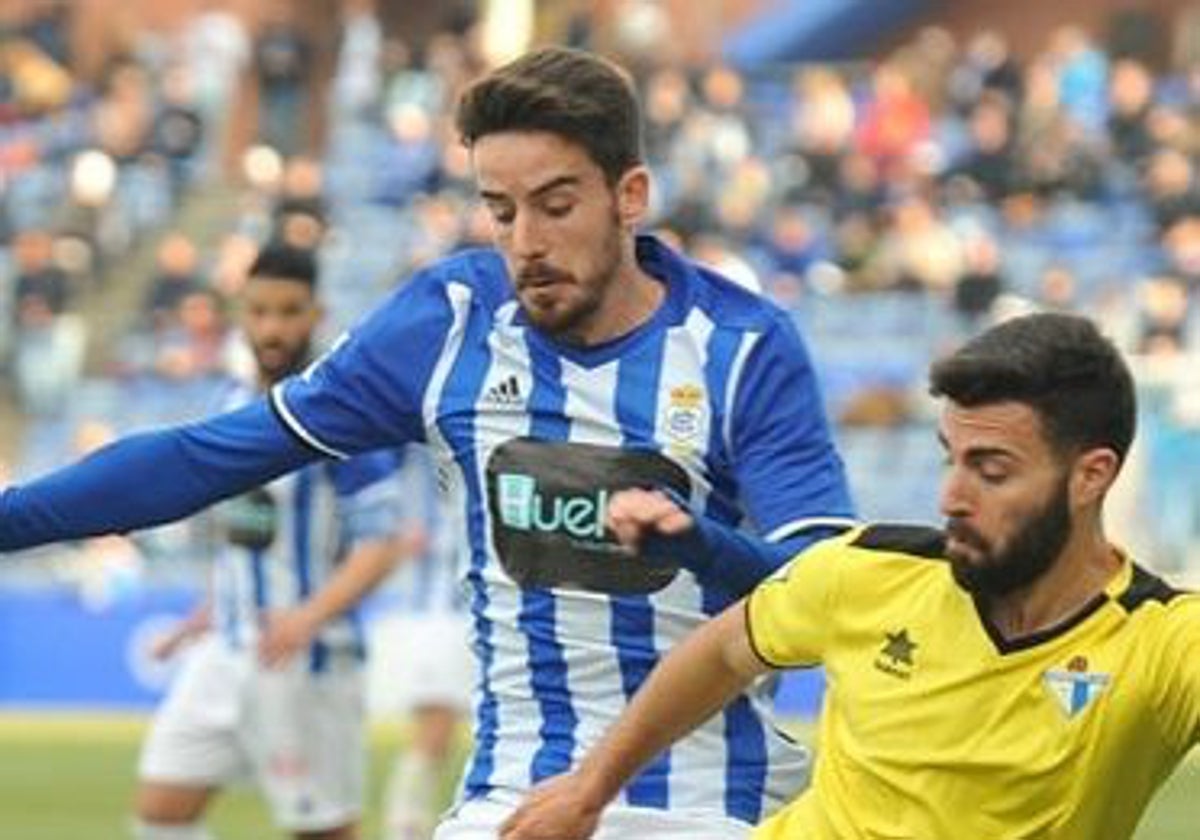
{"x":506,"y":392}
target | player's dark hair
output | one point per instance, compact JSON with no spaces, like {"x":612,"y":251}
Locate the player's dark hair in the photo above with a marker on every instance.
{"x":576,"y":95}
{"x":281,"y":261}
{"x":1059,"y":365}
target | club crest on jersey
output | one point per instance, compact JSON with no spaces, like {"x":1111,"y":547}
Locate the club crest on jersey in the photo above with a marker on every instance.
{"x":1075,"y":687}
{"x":683,"y":420}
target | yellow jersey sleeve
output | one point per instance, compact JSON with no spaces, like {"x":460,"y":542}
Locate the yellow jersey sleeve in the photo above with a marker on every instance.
{"x":1180,"y":671}
{"x":790,"y":615}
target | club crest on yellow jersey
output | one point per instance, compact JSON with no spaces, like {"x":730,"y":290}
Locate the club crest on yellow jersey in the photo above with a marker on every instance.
{"x":1075,"y":687}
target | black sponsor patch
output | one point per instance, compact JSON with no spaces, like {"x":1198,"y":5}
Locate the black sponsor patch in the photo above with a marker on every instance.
{"x":548,"y":503}
{"x":250,"y":520}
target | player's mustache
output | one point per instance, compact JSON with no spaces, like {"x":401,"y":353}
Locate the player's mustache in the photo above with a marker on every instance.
{"x":273,"y":347}
{"x":537,"y":274}
{"x":964,"y":533}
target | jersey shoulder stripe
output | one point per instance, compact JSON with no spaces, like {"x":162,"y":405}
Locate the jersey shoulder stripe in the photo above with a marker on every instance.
{"x":914,"y":540}
{"x":1144,"y":588}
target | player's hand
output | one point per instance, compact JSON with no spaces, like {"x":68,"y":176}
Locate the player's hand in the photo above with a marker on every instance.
{"x":558,"y":809}
{"x":635,"y":514}
{"x":284,"y":634}
{"x":170,"y":643}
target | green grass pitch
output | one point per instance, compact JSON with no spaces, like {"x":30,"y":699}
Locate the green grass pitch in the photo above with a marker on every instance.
{"x":70,"y":777}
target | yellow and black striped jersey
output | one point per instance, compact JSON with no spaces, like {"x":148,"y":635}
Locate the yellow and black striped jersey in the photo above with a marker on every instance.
{"x":934,"y":727}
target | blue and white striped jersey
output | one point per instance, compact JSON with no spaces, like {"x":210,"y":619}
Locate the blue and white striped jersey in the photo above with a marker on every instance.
{"x":285,"y":539}
{"x":429,"y":583}
{"x":714,"y":396}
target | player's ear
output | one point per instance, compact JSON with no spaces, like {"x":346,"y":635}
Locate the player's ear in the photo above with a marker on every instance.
{"x":1094,"y":472}
{"x":633,"y":196}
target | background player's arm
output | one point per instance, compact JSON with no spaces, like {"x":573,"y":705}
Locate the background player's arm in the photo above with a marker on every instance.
{"x":286,"y":632}
{"x":697,"y":679}
{"x":195,"y":624}
{"x":370,"y":512}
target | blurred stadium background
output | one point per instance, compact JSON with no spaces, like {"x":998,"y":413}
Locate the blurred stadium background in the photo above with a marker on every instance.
{"x":895,"y":172}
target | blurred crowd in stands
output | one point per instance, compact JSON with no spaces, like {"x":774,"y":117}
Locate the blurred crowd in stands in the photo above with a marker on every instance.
{"x":893,"y":205}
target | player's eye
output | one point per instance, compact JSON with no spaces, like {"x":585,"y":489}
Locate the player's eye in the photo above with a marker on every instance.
{"x":992,"y":474}
{"x":559,"y":209}
{"x":502,"y":214}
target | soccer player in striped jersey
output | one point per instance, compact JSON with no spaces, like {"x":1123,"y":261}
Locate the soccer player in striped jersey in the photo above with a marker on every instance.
{"x":273,"y":688}
{"x":574,"y":360}
{"x":420,"y":658}
{"x":1013,"y":675}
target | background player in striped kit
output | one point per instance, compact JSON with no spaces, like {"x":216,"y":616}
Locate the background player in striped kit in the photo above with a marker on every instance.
{"x":574,"y":360}
{"x":273,"y":688}
{"x":421,"y":662}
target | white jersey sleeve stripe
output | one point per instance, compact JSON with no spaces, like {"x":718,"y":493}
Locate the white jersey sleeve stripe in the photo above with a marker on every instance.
{"x":295,"y":427}
{"x":735,"y":378}
{"x":790,"y":529}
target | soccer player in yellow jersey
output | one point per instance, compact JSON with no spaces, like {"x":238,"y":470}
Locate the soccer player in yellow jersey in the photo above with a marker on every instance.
{"x":1013,"y":675}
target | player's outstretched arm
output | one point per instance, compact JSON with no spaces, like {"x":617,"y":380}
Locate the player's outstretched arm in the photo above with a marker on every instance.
{"x":151,"y":478}
{"x":698,"y":678}
{"x":656,"y":524}
{"x":636,"y":516}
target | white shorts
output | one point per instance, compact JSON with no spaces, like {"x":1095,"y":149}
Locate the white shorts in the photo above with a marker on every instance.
{"x":420,"y":660}
{"x":480,"y":819}
{"x":299,"y":735}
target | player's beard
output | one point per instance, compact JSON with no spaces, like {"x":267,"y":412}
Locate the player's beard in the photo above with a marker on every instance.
{"x":563,"y":321}
{"x":273,"y":368}
{"x":1029,"y":554}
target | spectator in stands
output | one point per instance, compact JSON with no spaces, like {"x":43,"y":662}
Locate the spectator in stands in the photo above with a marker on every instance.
{"x":1058,"y":289}
{"x":1181,"y":247}
{"x":1052,"y":149}
{"x":919,"y":251}
{"x":668,"y":98}
{"x":200,"y":344}
{"x":177,"y":135}
{"x":894,"y":120}
{"x":987,"y":65}
{"x":1130,"y":96}
{"x":409,"y":160}
{"x":300,"y":214}
{"x":176,"y":276}
{"x":990,"y":165}
{"x":1163,"y":317}
{"x":49,"y":346}
{"x":1081,"y":69}
{"x":282,"y":62}
{"x":1170,"y":188}
{"x":982,"y":279}
{"x":791,"y":245}
{"x":408,"y":81}
{"x":822,"y":124}
{"x":216,"y":49}
{"x":125,"y":114}
{"x":357,"y":78}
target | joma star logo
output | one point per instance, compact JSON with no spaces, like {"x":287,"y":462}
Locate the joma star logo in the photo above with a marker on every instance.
{"x":896,"y":655}
{"x":899,"y":648}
